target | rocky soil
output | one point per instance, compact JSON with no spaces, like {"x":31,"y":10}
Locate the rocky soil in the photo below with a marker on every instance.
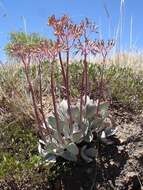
{"x":130,"y":135}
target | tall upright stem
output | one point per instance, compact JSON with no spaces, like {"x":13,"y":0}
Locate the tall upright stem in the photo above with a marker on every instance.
{"x":81,"y":95}
{"x":101,"y":83}
{"x":40,"y":85}
{"x":41,"y":101}
{"x":37,"y":117}
{"x":63,"y":70}
{"x":86,"y":77}
{"x":54,"y":102}
{"x":67,"y":89}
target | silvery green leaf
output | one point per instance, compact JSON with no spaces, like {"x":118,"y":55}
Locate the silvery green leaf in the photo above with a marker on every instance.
{"x":57,"y":138}
{"x":63,"y":116}
{"x":77,"y":133}
{"x":103,"y":109}
{"x":66,"y":131}
{"x":84,"y":156}
{"x":75,"y":127}
{"x":52,"y":122}
{"x":88,"y":100}
{"x":62,"y":110}
{"x":72,"y":148}
{"x":83,"y":107}
{"x":75,"y":113}
{"x":85,"y":127}
{"x":64,"y":105}
{"x":91,"y":110}
{"x":64,"y":127}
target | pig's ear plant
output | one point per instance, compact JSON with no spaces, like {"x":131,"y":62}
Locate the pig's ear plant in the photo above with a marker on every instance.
{"x":76,"y":125}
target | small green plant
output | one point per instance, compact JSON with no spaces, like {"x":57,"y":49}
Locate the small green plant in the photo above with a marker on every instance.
{"x":18,"y":149}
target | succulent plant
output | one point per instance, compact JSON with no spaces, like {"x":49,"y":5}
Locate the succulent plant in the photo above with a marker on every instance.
{"x":70,"y":130}
{"x":72,"y":137}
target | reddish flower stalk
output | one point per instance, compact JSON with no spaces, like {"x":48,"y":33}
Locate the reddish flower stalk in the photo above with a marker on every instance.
{"x":37,"y":116}
{"x":26,"y":53}
{"x":48,"y":51}
{"x":54,"y":102}
{"x":101,"y":84}
{"x":103,"y":49}
{"x":66,"y":33}
{"x":63,"y":70}
{"x":81,"y":96}
{"x":40,"y":85}
{"x":85,"y":76}
{"x":41,"y":102}
{"x":68,"y":90}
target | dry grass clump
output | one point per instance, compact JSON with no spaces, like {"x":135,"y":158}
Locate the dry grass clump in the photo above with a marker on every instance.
{"x":133,"y":60}
{"x":15,"y":101}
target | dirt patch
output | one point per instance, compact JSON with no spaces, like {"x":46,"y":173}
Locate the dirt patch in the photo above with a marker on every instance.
{"x":119,"y":166}
{"x":130,"y":135}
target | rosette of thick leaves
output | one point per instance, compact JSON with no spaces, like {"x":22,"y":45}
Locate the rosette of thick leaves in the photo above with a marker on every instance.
{"x":78,"y":132}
